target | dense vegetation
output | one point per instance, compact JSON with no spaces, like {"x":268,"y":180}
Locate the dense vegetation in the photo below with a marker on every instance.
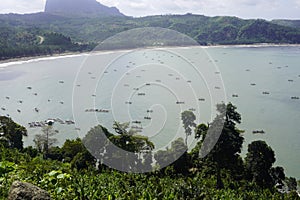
{"x":71,"y":172}
{"x":24,"y":42}
{"x":21,"y":35}
{"x":289,"y":23}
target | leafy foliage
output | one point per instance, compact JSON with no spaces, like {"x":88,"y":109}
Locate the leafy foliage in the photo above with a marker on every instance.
{"x":259,"y":160}
{"x":222,"y":139}
{"x":45,"y":140}
{"x":188,"y":119}
{"x":70,"y":171}
{"x":11,"y":133}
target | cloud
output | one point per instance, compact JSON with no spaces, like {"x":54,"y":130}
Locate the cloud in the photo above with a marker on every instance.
{"x":268,"y":9}
{"x":242,"y":8}
{"x":297,"y":2}
{"x":22,"y":6}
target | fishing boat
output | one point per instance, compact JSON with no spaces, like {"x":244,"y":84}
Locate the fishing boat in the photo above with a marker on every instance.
{"x":258,"y":132}
{"x":69,"y":122}
{"x":137,"y":127}
{"x":136,"y":122}
{"x":103,"y":111}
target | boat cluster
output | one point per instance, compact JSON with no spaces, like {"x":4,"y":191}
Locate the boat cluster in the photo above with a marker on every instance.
{"x":97,"y":110}
{"x":295,"y":98}
{"x":48,"y":122}
{"x":37,"y":124}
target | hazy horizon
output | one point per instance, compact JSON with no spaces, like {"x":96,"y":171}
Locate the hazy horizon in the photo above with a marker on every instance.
{"x":246,"y":9}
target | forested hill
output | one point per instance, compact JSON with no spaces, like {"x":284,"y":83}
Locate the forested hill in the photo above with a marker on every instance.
{"x":44,"y":33}
{"x":289,"y":23}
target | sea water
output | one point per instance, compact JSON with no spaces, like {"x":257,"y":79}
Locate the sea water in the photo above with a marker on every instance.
{"x":153,"y":86}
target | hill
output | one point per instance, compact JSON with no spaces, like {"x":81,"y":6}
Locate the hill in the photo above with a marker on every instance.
{"x":289,"y":23}
{"x":20,"y":33}
{"x":79,"y":8}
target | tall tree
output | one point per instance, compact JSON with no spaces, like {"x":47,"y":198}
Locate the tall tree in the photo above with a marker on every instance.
{"x":12,"y":133}
{"x":188,"y":119}
{"x":44,"y":141}
{"x":221,"y":141}
{"x":259,"y":160}
{"x":127,"y":148}
{"x":129,"y":140}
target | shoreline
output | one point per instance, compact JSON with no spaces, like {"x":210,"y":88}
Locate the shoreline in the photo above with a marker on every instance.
{"x":27,"y":59}
{"x":21,"y":60}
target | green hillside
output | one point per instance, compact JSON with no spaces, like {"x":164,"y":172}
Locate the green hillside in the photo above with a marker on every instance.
{"x":20,"y":33}
{"x":288,"y":23}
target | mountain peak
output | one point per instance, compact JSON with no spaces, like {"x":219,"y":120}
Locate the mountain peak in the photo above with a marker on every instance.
{"x":80,"y":7}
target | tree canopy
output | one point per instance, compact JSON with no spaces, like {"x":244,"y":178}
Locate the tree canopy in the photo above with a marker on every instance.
{"x":11,"y":133}
{"x":76,"y":170}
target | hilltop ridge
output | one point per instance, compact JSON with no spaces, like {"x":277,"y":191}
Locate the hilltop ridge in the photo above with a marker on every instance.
{"x":80,"y":7}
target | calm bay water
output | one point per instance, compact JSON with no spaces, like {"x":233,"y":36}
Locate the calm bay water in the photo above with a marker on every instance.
{"x":145,"y":85}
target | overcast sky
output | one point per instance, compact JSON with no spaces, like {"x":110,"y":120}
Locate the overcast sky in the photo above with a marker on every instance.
{"x":267,"y":9}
